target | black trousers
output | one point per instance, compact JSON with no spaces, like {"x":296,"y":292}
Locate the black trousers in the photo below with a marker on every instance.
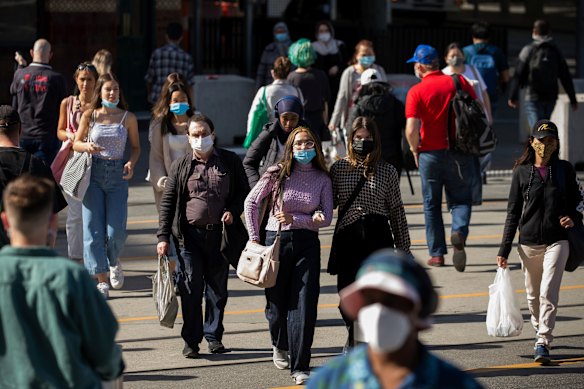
{"x":203,"y":274}
{"x":355,"y":243}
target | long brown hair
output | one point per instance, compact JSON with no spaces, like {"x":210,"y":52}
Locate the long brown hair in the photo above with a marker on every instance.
{"x":374,"y":156}
{"x":161,"y":110}
{"x":107,"y":77}
{"x":288,"y":161}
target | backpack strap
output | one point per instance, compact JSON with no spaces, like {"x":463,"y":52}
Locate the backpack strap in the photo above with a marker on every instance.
{"x":457,"y":87}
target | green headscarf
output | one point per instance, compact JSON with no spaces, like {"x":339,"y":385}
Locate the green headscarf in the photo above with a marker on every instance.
{"x":301,"y":53}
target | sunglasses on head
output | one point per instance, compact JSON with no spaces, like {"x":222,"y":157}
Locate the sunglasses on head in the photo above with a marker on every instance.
{"x":86,"y":65}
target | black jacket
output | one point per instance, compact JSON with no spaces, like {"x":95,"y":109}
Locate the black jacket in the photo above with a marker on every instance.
{"x":263,"y":152}
{"x":537,"y":213}
{"x":389,"y":115}
{"x":173,"y":203}
{"x":521,"y":75}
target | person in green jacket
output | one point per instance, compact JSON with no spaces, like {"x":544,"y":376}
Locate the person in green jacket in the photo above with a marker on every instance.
{"x":56,"y":330}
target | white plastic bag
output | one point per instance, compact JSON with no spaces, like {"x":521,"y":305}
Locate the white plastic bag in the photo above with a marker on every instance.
{"x":503,"y":315}
{"x":163,"y":293}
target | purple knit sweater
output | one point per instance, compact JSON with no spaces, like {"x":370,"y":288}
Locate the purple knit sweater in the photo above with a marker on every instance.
{"x":305,"y":191}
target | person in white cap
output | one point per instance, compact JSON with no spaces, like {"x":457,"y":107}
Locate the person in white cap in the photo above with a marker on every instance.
{"x":392,"y":299}
{"x":376,"y":102}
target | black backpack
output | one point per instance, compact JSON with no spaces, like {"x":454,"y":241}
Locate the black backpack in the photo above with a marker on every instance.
{"x":472,"y":132}
{"x":544,"y":68}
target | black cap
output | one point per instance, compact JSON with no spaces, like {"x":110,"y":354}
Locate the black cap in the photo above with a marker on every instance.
{"x":8,"y":116}
{"x":544,"y":128}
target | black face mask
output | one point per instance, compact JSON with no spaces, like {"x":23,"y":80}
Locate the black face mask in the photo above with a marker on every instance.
{"x":362,"y":147}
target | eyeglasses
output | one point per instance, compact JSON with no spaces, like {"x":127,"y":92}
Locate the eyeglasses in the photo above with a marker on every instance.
{"x":309,"y":144}
{"x":86,"y":65}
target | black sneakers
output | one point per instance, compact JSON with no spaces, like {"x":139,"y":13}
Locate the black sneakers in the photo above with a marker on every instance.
{"x":216,"y":347}
{"x":189,"y":352}
{"x":459,"y":255}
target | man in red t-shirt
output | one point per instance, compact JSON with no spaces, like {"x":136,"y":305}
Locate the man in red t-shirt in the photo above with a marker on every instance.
{"x":427,"y":107}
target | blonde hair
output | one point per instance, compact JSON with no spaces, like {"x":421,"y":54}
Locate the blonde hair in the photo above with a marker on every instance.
{"x":103,"y":60}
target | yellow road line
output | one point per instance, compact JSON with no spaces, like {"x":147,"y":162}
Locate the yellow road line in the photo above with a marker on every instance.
{"x":325,"y":246}
{"x":328,"y":306}
{"x":532,"y":365}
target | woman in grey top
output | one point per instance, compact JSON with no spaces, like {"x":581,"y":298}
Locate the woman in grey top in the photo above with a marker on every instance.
{"x":363,"y":59}
{"x":103,"y":132}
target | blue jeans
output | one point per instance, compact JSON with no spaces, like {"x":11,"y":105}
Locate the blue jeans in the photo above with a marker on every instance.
{"x":105,"y":214}
{"x":537,"y":110}
{"x":203,"y":274}
{"x":44,"y":150}
{"x":292,"y":302}
{"x":455,"y":173}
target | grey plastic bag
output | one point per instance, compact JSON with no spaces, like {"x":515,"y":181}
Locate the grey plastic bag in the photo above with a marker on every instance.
{"x":163,"y":293}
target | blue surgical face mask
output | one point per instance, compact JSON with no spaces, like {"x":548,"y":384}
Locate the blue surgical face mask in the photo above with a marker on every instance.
{"x":304,"y":156}
{"x":179,"y":108}
{"x":109,"y":104}
{"x":367,"y":60}
{"x":281,"y":37}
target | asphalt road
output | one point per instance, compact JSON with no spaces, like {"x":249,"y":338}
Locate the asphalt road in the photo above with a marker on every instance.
{"x":153,"y":353}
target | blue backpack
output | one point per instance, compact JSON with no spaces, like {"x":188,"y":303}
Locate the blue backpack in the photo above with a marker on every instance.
{"x":484,"y":62}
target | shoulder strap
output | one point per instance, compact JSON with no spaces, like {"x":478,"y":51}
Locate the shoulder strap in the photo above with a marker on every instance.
{"x":124,"y":117}
{"x":457,"y":87}
{"x":457,"y":84}
{"x":351,"y":199}
{"x":70,"y":101}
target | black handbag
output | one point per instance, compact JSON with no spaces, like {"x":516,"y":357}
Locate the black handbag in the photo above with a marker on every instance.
{"x":575,"y":234}
{"x":333,"y":262}
{"x":233,"y":241}
{"x":576,"y":239}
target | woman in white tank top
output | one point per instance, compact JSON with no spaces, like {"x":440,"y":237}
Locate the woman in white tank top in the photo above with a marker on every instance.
{"x":103,"y":132}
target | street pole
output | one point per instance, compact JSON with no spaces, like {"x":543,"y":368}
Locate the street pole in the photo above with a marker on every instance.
{"x":580,"y":40}
{"x":249,"y":8}
{"x":196,"y":35}
{"x":373,"y":17}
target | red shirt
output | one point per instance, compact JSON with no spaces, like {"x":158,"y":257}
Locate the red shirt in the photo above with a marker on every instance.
{"x":429,"y":101}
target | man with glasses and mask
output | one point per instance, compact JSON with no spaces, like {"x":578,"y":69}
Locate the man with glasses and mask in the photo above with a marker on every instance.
{"x":204,"y":191}
{"x":392,"y":300}
{"x":37,"y":92}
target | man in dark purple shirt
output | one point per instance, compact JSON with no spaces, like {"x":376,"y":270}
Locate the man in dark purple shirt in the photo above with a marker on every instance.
{"x":204,"y":190}
{"x":38,"y":91}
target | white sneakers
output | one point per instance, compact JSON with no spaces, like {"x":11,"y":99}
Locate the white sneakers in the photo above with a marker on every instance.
{"x":116,"y":280}
{"x":280,"y":358}
{"x":103,"y":288}
{"x":117,"y":276}
{"x":300,"y":377}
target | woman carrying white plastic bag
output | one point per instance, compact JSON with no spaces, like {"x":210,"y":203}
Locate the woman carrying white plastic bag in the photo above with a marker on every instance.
{"x":545,"y":200}
{"x":503,"y":315}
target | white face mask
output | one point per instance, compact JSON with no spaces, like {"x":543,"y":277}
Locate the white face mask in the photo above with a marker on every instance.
{"x":201,"y":144}
{"x":324,"y":36}
{"x":385,"y":329}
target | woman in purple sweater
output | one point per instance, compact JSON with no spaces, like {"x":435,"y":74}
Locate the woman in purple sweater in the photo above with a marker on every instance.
{"x":301,"y":191}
